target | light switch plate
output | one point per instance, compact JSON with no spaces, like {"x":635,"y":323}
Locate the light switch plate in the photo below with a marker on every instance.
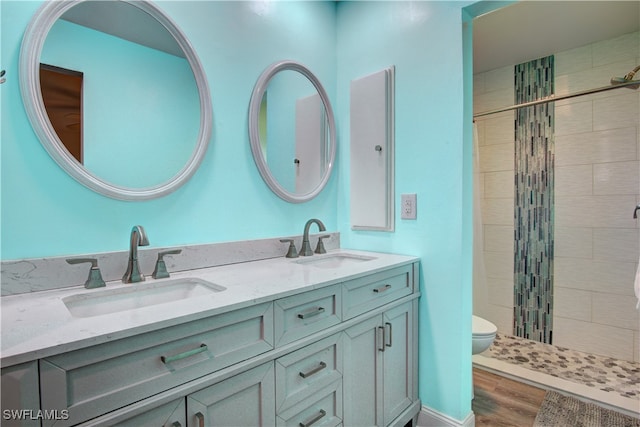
{"x":408,"y":206}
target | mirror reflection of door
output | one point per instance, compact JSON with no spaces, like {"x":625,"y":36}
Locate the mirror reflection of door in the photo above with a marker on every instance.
{"x":62,"y":96}
{"x":310,"y":143}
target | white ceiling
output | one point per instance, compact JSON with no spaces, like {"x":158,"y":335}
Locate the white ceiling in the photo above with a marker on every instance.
{"x":511,"y":35}
{"x":532,"y":29}
{"x":125,"y":21}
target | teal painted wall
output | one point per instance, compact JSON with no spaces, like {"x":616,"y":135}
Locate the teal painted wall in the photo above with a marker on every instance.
{"x":424,"y":42}
{"x":44,"y":212}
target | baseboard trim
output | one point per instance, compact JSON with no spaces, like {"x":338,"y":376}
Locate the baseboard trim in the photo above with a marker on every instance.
{"x":431,"y":418}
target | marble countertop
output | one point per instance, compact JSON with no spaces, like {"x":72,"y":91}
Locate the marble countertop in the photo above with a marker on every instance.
{"x":38,"y":324}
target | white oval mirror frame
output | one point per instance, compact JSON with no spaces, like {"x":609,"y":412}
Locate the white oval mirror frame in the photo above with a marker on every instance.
{"x":30,"y":53}
{"x":254,"y":130}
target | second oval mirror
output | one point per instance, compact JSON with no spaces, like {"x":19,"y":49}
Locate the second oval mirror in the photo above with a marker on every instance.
{"x":292,"y":131}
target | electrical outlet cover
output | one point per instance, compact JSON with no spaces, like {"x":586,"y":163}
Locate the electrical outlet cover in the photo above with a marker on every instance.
{"x":408,"y":205}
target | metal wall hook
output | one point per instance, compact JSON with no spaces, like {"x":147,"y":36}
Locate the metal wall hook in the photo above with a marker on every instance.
{"x":378,"y":148}
{"x":635,"y":212}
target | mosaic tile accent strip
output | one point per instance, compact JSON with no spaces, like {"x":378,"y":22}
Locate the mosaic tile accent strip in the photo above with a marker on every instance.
{"x":605,"y":373}
{"x":534,"y":195}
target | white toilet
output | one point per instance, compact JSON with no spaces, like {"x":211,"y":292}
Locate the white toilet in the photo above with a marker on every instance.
{"x":483,"y":333}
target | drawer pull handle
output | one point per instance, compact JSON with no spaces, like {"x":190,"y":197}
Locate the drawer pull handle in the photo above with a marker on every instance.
{"x":311,"y":312}
{"x":200,"y":418}
{"x":382,"y":330}
{"x":315,"y":370}
{"x":390,"y":334}
{"x":314,"y":419}
{"x":176,"y":424}
{"x":382,"y":289}
{"x":170,"y":359}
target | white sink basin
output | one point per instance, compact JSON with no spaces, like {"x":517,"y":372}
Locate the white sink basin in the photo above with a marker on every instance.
{"x":333,"y":260}
{"x":136,"y":296}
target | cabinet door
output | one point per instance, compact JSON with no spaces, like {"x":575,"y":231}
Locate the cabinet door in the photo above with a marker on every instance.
{"x":379,"y":368}
{"x":362,"y":377}
{"x":397,"y":361}
{"x":246,"y":399}
{"x":20,"y":395}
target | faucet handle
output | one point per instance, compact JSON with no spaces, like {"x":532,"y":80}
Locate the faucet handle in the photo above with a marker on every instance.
{"x":320,"y":246}
{"x":160,"y":271}
{"x":292,"y":252}
{"x":95,"y":277}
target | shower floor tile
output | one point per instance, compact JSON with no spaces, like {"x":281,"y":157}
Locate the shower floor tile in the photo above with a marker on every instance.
{"x":604,"y":373}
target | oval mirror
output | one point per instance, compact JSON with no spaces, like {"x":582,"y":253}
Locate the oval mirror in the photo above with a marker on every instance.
{"x":292,"y":131}
{"x":116,"y":95}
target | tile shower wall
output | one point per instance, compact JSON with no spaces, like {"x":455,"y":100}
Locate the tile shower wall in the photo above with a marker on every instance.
{"x":533,"y":213}
{"x":597,"y":185}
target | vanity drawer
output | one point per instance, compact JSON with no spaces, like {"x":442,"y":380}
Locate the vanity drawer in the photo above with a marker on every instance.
{"x":305,"y":372}
{"x":324,"y":409}
{"x":366,"y":293}
{"x":300,"y":315}
{"x":92,"y":381}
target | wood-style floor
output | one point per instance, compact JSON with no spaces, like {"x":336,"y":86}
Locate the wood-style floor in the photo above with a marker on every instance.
{"x":501,"y":402}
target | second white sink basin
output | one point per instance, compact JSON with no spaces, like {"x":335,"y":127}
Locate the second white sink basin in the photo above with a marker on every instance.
{"x":333,"y":260}
{"x":136,"y":296}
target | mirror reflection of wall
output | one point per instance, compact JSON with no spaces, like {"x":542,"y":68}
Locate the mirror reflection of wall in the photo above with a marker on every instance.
{"x":150,"y":97}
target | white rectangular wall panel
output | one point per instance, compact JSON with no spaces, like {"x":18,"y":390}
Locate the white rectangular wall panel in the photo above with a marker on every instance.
{"x":372,"y":151}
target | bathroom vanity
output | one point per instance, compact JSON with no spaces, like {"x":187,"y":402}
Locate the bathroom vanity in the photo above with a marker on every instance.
{"x":324,"y":340}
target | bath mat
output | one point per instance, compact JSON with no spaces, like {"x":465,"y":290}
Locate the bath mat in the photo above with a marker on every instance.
{"x":558,"y":410}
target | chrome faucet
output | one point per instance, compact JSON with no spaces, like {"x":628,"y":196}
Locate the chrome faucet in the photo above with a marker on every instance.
{"x":138,"y":238}
{"x":306,"y":247}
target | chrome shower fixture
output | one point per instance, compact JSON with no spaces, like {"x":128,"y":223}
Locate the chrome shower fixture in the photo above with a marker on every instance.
{"x":627,"y":78}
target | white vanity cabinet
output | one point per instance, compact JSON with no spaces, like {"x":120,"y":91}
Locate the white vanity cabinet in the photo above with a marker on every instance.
{"x":339,"y":353}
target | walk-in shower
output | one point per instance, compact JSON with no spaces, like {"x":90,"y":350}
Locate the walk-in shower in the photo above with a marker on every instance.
{"x":559,"y":173}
